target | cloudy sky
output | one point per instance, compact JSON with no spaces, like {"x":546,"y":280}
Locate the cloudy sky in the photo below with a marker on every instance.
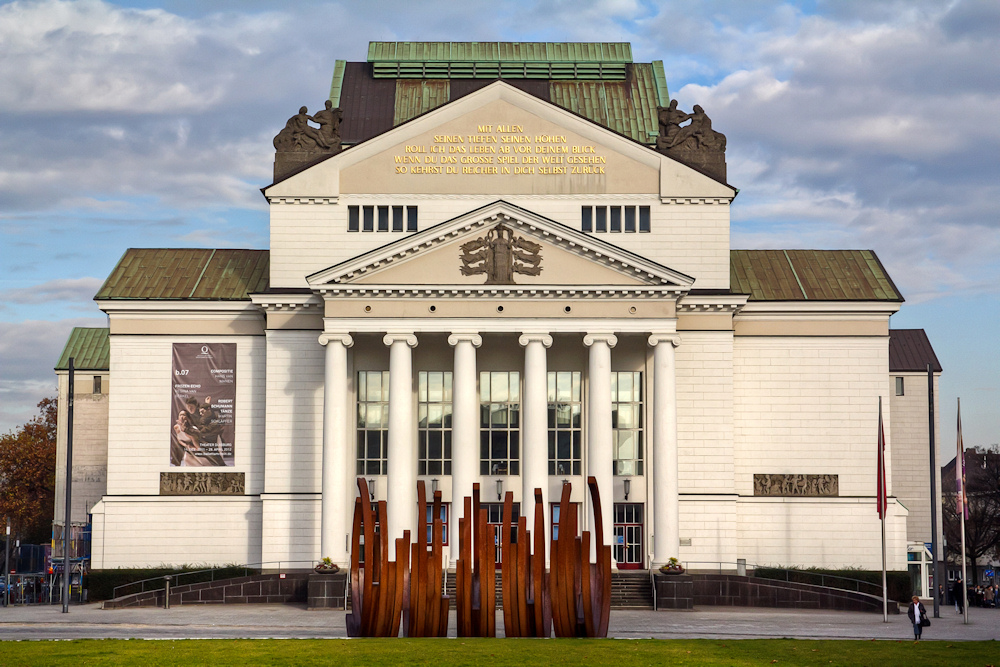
{"x":850,"y":125}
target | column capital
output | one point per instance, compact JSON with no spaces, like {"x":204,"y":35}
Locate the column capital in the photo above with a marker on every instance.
{"x":394,"y":337}
{"x":657,"y":338}
{"x":342,"y":338}
{"x":459,"y":337}
{"x":543,"y":338}
{"x":600,"y":337}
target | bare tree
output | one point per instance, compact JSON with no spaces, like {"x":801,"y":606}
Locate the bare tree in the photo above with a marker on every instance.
{"x":982,"y":528}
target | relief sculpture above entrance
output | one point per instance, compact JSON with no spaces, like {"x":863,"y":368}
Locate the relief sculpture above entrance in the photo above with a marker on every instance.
{"x":500,"y":255}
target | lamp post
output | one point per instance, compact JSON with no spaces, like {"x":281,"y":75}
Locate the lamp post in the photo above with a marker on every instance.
{"x":67,"y":570}
{"x":6,"y":567}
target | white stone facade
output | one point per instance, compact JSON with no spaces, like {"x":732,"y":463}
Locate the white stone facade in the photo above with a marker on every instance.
{"x":728,"y":389}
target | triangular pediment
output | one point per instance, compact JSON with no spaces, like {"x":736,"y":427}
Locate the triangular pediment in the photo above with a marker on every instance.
{"x":499,"y":141}
{"x":501,"y":248}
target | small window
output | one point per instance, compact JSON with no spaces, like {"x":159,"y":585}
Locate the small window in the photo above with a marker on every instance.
{"x":602,"y":219}
{"x":630,"y":219}
{"x":369,"y":219}
{"x":616,"y":218}
{"x":411,"y":218}
{"x":644,"y":219}
{"x":397,"y":218}
{"x":587,"y":219}
{"x":353,"y":219}
{"x":383,"y":218}
{"x":97,"y":384}
{"x":430,"y":524}
{"x":899,"y":386}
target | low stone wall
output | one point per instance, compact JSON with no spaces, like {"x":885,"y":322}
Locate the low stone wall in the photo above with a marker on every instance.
{"x":327,"y":591}
{"x":260,"y":588}
{"x":736,"y":591}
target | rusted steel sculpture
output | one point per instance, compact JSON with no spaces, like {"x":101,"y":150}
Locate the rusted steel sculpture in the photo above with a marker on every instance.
{"x":475,"y":580}
{"x":526,"y":607}
{"x":426,"y":609}
{"x":580,"y":590}
{"x":574,"y":598}
{"x":378,"y":590}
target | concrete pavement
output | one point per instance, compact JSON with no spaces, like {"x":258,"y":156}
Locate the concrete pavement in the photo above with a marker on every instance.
{"x":294,"y":621}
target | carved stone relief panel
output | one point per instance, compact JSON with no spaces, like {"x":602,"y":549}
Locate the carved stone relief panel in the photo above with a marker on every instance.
{"x":202,"y":483}
{"x":796,"y":485}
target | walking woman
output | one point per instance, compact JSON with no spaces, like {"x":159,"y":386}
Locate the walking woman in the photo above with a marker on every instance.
{"x":918,"y":616}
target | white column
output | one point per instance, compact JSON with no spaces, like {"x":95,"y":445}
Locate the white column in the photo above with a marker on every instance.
{"x":336,"y":505}
{"x":666,"y":490}
{"x":600,"y":453}
{"x":402,"y":472}
{"x":464,"y":429}
{"x":534,"y":426}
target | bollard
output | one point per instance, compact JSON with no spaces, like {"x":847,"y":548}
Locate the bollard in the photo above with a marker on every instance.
{"x":166,"y":593}
{"x":741,"y":567}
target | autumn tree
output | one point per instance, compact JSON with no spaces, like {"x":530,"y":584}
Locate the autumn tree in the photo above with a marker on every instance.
{"x":28,"y":476}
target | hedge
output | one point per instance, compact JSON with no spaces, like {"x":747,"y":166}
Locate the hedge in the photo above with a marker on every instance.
{"x":898,"y":582}
{"x":100,"y":584}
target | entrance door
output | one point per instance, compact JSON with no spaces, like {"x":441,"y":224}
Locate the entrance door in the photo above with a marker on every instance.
{"x":628,"y":549}
{"x":494,"y":515}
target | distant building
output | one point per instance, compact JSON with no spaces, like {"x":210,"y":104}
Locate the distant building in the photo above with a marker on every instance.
{"x":507,"y":264}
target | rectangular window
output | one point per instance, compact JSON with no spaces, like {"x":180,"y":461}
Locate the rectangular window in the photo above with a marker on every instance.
{"x":383,"y":218}
{"x":373,"y":422}
{"x":899,"y":386}
{"x":616,"y":218}
{"x":369,"y":212}
{"x":353,"y":219}
{"x":411,"y":218}
{"x":97,"y":384}
{"x":643,"y":218}
{"x":433,"y":423}
{"x":554,"y":513}
{"x":628,"y":551}
{"x":397,"y":218}
{"x":626,"y":422}
{"x":587,"y":219}
{"x":500,"y":423}
{"x":629,"y":219}
{"x":601,"y":224}
{"x":494,"y":516}
{"x":430,"y":524}
{"x":565,"y":431}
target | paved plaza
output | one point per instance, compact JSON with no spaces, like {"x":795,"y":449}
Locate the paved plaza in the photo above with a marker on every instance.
{"x":294,"y":621}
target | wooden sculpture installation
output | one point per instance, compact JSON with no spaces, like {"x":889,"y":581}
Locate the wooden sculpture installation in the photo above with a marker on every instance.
{"x":425,"y":607}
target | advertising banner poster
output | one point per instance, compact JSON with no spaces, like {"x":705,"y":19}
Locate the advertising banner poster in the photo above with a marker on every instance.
{"x":203,"y":404}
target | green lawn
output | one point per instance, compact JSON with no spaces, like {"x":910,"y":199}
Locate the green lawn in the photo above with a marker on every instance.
{"x":498,"y":652}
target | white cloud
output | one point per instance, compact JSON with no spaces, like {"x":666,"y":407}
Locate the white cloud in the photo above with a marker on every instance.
{"x":73,"y":290}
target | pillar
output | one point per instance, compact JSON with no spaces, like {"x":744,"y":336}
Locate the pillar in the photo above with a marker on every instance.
{"x":464,"y":429}
{"x":337,"y":479}
{"x":600,"y":451}
{"x":666,"y":489}
{"x":535,"y":426}
{"x":402,"y":469}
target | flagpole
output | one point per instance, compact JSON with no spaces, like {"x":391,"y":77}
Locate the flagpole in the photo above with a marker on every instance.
{"x":963,"y":510}
{"x":882,"y":507}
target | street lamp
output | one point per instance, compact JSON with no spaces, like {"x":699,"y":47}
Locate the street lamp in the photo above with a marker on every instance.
{"x":628,"y":486}
{"x":6,"y":567}
{"x":371,"y":489}
{"x":499,"y":489}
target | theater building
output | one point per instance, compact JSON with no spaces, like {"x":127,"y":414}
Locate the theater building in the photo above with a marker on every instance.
{"x":503,"y":264}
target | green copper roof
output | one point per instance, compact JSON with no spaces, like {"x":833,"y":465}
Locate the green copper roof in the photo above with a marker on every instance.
{"x":90,"y":349}
{"x":810,"y":275}
{"x":493,"y":60}
{"x":167,"y":273}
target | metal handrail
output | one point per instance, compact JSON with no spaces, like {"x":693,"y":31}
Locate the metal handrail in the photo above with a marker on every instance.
{"x":874,"y":589}
{"x":174,"y":578}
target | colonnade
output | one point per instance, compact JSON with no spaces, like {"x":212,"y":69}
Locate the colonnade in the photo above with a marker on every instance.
{"x":338,"y":474}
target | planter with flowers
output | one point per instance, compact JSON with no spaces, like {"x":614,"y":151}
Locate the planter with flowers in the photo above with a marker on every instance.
{"x":327,"y":566}
{"x":673,"y":566}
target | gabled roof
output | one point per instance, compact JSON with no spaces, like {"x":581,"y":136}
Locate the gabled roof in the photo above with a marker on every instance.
{"x":810,"y":275}
{"x":90,"y":349}
{"x":910,"y":350}
{"x":402,"y":80}
{"x":189,"y":273}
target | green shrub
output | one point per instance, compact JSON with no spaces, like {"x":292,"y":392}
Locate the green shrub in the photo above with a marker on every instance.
{"x":100,"y":584}
{"x":898,"y":582}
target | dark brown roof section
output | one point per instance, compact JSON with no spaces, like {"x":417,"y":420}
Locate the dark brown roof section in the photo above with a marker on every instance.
{"x":367,"y":104}
{"x":910,"y":350}
{"x":191,"y":273}
{"x":810,"y":275}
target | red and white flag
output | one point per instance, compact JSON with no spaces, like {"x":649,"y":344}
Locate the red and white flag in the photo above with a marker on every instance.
{"x":882,"y":501}
{"x":961,"y":500}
